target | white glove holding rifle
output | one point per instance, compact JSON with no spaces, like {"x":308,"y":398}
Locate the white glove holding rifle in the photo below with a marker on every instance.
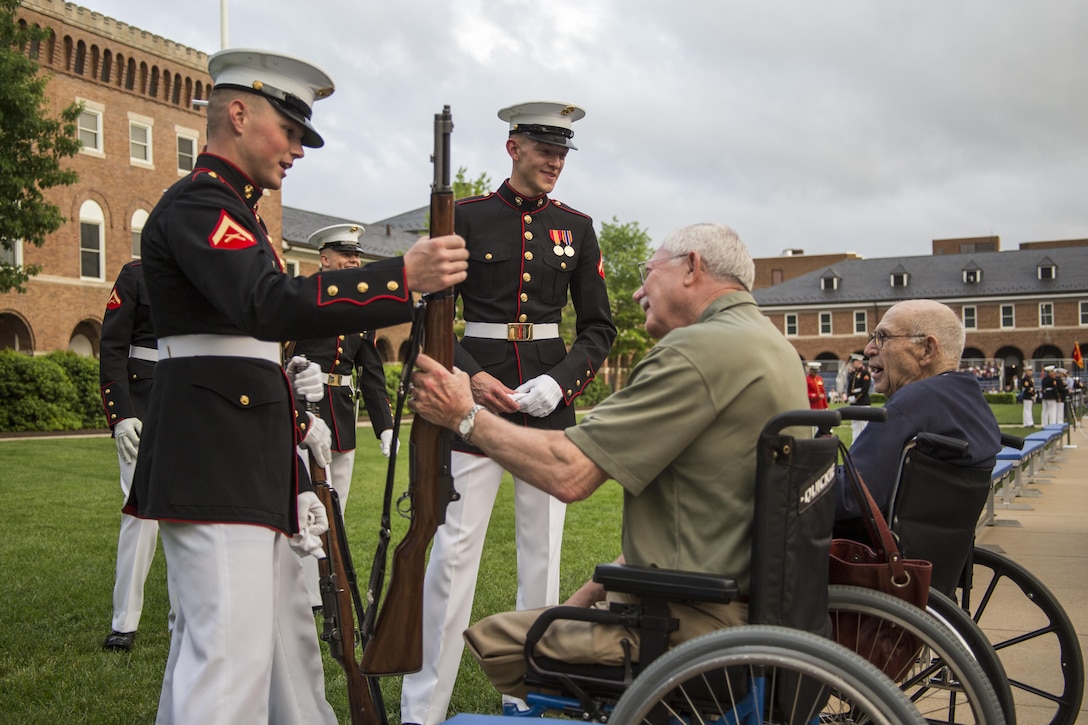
{"x":306,"y":377}
{"x":312,"y":523}
{"x":386,"y":442}
{"x":126,"y":435}
{"x":318,"y":441}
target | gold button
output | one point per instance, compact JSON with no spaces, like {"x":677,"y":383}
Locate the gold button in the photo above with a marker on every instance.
{"x":527,"y":277}
{"x":487,"y":256}
{"x":243,"y":399}
{"x":113,"y":416}
{"x":523,"y":318}
{"x":569,"y":393}
{"x":524,"y":297}
{"x":529,"y":256}
{"x":110,"y":403}
{"x":333,"y":290}
{"x":392,"y":286}
{"x":577,"y":382}
{"x":339,"y":351}
{"x":340,"y":338}
{"x":529,"y":236}
{"x":540,"y":202}
{"x":528,"y":219}
{"x":302,"y":426}
{"x":563,"y":265}
{"x":362,"y":287}
{"x":296,"y":413}
{"x":587,"y":373}
{"x":134,"y":376}
{"x":107,"y":391}
{"x":517,"y":200}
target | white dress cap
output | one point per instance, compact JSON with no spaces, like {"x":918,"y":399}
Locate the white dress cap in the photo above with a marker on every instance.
{"x":340,"y":237}
{"x":547,"y":121}
{"x":290,"y":84}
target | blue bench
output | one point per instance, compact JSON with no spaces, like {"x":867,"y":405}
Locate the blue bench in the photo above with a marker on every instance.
{"x":468,"y":719}
{"x":1003,"y":478}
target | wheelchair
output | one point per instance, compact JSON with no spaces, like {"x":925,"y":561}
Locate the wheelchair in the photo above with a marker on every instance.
{"x":933,"y":512}
{"x":781,"y":668}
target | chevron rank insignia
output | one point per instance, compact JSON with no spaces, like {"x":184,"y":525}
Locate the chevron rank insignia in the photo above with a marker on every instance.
{"x":229,"y":234}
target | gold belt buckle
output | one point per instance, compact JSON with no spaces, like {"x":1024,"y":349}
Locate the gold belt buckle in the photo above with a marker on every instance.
{"x":334,"y":379}
{"x":519,"y":331}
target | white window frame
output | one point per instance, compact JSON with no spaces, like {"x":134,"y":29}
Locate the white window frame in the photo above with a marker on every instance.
{"x":188,"y":134}
{"x":147,"y":125}
{"x":790,"y":320}
{"x":291,"y":267}
{"x":90,"y":214}
{"x":861,"y":316}
{"x":1046,"y":309}
{"x":136,"y":227}
{"x":13,"y":256}
{"x":972,"y":276}
{"x":973,"y":317}
{"x":95,"y":111}
{"x":899,"y":279}
{"x":1083,"y":313}
{"x":1012,"y":315}
{"x":829,"y":284}
{"x":1051,"y":269}
{"x":820,"y":323}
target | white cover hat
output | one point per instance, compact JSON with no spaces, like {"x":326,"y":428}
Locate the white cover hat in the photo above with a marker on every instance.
{"x":547,"y":121}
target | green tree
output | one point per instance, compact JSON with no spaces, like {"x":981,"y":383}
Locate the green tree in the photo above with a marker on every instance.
{"x":462,"y":187}
{"x":32,"y":146}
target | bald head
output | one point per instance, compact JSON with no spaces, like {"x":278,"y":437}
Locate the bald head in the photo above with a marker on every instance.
{"x":920,"y":339}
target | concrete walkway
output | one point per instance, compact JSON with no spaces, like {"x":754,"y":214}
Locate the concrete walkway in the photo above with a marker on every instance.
{"x":1046,"y":531}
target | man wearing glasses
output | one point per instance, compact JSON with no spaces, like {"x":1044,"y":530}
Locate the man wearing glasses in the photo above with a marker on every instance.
{"x":914,"y":354}
{"x":680,"y":439}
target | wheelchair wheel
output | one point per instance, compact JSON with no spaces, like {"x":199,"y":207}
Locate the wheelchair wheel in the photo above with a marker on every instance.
{"x":762,"y":674}
{"x":942,"y":679}
{"x":1041,"y":651}
{"x":948,"y":612}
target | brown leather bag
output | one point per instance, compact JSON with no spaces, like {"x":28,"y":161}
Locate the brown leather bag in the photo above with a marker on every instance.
{"x":856,"y":564}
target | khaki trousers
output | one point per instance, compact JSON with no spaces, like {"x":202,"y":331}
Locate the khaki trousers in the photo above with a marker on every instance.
{"x":498,"y":642}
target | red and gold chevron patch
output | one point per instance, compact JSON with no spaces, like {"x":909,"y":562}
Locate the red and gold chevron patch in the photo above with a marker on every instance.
{"x":114,"y":301}
{"x":229,"y":234}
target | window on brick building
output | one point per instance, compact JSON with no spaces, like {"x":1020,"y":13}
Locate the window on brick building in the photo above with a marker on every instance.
{"x":186,"y":145}
{"x":12,"y":255}
{"x":791,"y":324}
{"x":90,"y":127}
{"x":139,"y":143}
{"x":139,"y":218}
{"x":1083,"y":313}
{"x":861,"y":322}
{"x":291,"y":267}
{"x":970,"y":318}
{"x":825,"y":323}
{"x":92,"y":224}
{"x":1008,"y":316}
{"x":1046,"y":314}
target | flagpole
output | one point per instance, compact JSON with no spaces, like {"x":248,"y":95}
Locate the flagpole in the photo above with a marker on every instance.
{"x":223,"y":43}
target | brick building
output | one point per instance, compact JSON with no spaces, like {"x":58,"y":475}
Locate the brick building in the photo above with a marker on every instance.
{"x":1022,"y":309}
{"x":140,"y":133}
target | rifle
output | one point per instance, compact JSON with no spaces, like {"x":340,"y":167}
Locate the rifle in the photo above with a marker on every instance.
{"x":338,"y":589}
{"x":395,"y":644}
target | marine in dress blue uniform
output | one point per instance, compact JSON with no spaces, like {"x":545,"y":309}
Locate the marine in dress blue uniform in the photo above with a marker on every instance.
{"x":857,"y":386}
{"x":528,"y":253}
{"x":127,"y":358}
{"x":217,"y":464}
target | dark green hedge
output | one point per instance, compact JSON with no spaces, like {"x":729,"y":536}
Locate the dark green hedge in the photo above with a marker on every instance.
{"x":58,"y":391}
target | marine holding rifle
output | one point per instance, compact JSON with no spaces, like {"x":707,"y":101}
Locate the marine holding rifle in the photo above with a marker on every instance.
{"x":527,"y":253}
{"x":217,"y":464}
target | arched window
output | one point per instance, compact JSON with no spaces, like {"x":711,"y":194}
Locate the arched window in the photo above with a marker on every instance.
{"x":153,"y":91}
{"x":188,"y":91}
{"x":81,"y":58}
{"x":107,"y":66}
{"x":130,"y":75}
{"x":139,"y":218}
{"x":68,"y":52}
{"x":177,"y":89}
{"x":15,"y":333}
{"x":95,"y":59}
{"x":92,"y":226}
{"x":143,"y":79}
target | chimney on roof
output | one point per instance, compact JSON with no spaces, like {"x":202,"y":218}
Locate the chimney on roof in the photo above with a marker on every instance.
{"x":792,"y":252}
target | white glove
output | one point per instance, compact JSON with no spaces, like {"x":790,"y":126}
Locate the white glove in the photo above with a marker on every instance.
{"x":312,"y":523}
{"x":306,"y":378}
{"x":318,"y":441}
{"x":851,"y":400}
{"x":126,"y":435}
{"x":538,"y":397}
{"x":387,"y":442}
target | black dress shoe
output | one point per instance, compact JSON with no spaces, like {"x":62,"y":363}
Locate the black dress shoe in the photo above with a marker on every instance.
{"x":119,"y":641}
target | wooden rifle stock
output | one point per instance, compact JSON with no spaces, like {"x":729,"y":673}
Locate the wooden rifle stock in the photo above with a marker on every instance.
{"x":336,"y":604}
{"x":396,"y":644}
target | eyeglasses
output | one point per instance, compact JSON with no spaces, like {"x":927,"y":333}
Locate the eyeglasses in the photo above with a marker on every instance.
{"x":644,"y":268}
{"x":879,"y":337}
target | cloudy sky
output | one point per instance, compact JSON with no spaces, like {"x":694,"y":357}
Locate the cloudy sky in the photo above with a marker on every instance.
{"x":865,"y":126}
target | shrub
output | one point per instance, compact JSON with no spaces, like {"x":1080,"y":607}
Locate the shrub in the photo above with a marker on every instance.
{"x":594,"y":393}
{"x":1000,"y":398}
{"x":36,"y":394}
{"x":83,"y":372}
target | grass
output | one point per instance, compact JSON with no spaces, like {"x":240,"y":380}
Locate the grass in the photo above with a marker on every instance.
{"x":62,"y":502}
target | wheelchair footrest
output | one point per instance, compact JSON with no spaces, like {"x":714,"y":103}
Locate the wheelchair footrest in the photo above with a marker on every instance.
{"x":667,"y":584}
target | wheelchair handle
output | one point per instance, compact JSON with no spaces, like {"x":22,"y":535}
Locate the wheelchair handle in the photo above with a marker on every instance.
{"x":1011,"y":441}
{"x":863,"y":412}
{"x":952,"y":445}
{"x":823,"y":419}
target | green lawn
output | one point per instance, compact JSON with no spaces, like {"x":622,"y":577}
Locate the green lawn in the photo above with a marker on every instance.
{"x":62,"y":502}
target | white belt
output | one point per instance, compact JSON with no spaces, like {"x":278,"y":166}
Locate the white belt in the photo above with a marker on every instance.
{"x":219,"y":346}
{"x":337,"y":379}
{"x":512,"y":331}
{"x":149,"y":354}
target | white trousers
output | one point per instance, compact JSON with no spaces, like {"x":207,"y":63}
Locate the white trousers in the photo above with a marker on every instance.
{"x":1029,"y":414}
{"x":339,"y":473}
{"x":244,"y":647}
{"x":856,"y":427}
{"x":450,"y":583}
{"x":1052,"y":412}
{"x":135,"y":551}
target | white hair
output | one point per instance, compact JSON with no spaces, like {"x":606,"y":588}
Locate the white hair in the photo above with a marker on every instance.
{"x":724,"y":254}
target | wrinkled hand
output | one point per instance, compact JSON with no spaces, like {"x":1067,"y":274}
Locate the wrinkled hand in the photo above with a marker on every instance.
{"x":306,"y":379}
{"x":318,"y":441}
{"x":312,"y":523}
{"x":489,"y":392}
{"x":126,"y":435}
{"x":437,"y":263}
{"x":386,"y":442}
{"x":538,"y":397}
{"x":440,"y":396}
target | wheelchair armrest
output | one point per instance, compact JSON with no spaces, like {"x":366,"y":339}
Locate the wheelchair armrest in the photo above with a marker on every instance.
{"x":667,"y":584}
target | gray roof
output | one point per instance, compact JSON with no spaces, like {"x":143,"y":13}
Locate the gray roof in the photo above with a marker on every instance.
{"x":1012,"y":273}
{"x":385,"y":238}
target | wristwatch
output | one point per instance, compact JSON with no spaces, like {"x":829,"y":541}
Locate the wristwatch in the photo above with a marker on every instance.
{"x":464,"y":428}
